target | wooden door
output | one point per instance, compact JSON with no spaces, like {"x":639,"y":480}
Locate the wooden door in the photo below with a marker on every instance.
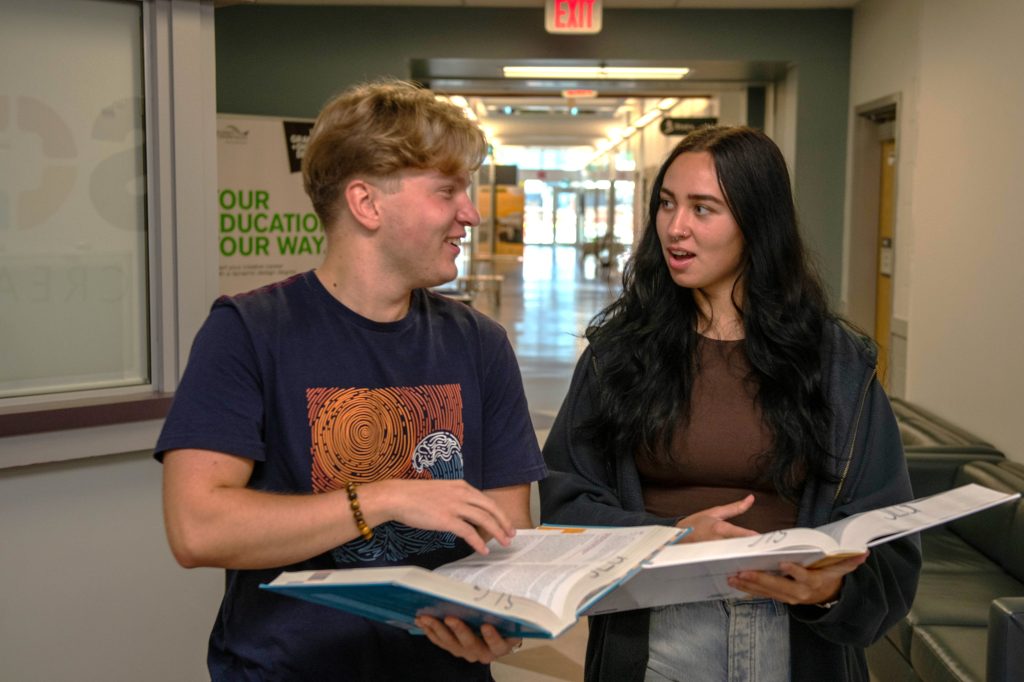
{"x":886,"y":265}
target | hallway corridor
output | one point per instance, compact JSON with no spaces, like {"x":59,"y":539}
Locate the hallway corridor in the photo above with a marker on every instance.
{"x":545,"y":304}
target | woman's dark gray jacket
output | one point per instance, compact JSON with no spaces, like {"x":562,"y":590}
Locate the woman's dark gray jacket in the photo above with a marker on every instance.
{"x":585,"y":487}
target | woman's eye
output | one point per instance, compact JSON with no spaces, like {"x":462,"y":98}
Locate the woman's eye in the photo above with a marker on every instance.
{"x":665,"y":203}
{"x":701,"y":209}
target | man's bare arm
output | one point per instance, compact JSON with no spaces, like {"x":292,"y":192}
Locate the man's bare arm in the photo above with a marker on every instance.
{"x":212,"y":519}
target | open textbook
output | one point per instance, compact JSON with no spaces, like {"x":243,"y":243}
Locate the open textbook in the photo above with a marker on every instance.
{"x":536,"y":587}
{"x":699,"y":571}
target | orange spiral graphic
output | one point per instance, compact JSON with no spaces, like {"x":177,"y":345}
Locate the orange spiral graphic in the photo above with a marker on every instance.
{"x":366,"y":435}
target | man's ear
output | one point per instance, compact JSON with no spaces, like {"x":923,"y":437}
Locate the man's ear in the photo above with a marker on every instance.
{"x":363,"y":200}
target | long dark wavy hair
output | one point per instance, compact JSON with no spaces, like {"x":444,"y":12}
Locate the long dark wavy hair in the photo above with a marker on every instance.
{"x":645,"y":342}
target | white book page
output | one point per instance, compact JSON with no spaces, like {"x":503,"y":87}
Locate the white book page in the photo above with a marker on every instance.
{"x":781,"y":541}
{"x":882,"y":525}
{"x":544,"y":565}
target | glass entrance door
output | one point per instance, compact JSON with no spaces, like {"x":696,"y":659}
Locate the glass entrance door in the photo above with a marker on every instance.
{"x":551,"y":214}
{"x":566,"y":216}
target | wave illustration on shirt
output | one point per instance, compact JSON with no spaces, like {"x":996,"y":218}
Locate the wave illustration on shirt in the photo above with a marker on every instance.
{"x":365,"y":435}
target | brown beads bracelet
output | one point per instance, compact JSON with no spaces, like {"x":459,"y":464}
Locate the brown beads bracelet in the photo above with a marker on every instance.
{"x":353,"y":502}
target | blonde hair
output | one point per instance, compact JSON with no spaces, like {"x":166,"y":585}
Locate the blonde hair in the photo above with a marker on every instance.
{"x":379,"y":129}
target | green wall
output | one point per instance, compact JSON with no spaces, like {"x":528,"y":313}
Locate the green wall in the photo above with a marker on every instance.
{"x":288,"y":60}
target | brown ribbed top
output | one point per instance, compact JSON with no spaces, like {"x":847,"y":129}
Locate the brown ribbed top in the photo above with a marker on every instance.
{"x":714,"y":456}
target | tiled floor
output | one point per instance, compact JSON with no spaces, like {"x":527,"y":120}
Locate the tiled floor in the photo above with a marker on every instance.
{"x":546,"y":301}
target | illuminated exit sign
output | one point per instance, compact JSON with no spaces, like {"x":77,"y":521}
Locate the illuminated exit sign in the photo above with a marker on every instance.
{"x":572,"y":16}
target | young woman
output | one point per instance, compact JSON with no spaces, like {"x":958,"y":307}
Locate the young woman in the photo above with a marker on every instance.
{"x":720,"y":393}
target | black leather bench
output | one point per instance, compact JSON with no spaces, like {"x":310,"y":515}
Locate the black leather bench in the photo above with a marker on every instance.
{"x":967,"y":620}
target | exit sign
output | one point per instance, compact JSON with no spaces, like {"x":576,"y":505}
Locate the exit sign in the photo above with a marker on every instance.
{"x":572,"y":16}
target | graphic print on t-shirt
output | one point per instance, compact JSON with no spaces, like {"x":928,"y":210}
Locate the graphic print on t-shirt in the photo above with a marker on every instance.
{"x":365,"y":435}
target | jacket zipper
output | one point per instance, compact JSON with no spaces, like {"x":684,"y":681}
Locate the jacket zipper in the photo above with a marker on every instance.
{"x":853,"y":438}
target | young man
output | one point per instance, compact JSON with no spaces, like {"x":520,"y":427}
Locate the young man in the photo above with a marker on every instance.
{"x":353,"y":381}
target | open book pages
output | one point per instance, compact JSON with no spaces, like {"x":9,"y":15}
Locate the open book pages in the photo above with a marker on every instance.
{"x":699,"y":571}
{"x":563,"y":568}
{"x":874,"y":527}
{"x":536,"y":587}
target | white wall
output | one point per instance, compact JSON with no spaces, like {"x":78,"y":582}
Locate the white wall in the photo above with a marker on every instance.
{"x":88,"y":588}
{"x":959,"y":278}
{"x":966,"y":301}
{"x":884,"y":61}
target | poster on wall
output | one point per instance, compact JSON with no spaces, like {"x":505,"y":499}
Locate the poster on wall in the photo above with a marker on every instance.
{"x":267,"y":229}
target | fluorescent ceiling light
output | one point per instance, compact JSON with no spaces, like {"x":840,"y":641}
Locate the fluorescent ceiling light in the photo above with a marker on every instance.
{"x":647,"y":118}
{"x":596,"y":72}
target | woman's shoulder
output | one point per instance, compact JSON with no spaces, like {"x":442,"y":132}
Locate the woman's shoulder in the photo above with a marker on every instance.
{"x":844,"y":341}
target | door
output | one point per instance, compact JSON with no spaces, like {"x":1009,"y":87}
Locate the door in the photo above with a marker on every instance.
{"x":565,"y":216}
{"x":884,"y":277}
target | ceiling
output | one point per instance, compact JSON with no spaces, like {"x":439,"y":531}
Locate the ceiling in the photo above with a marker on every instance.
{"x":534,"y":112}
{"x":538,"y":112}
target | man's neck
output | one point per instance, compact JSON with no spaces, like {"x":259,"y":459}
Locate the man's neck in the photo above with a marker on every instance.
{"x":366,"y":296}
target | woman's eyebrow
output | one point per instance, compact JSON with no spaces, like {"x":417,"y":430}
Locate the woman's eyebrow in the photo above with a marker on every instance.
{"x":705,"y":197}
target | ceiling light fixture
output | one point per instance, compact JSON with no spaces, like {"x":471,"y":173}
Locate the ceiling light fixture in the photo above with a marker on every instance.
{"x":647,"y":118}
{"x":616,"y":136}
{"x":596,"y":72}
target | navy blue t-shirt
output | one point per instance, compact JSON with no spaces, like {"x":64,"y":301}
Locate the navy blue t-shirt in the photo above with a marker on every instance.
{"x":317,"y":395}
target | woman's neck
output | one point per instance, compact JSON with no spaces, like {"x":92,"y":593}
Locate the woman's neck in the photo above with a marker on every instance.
{"x":718,"y":319}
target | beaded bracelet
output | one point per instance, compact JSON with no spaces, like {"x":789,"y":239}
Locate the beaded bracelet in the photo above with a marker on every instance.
{"x":353,"y":502}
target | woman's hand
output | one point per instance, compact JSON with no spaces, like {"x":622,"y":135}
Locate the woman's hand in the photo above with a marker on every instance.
{"x":711,"y":524}
{"x":798,"y":584}
{"x":458,"y":639}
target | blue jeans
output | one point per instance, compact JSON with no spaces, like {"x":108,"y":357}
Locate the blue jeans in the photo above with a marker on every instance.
{"x":736,"y":640}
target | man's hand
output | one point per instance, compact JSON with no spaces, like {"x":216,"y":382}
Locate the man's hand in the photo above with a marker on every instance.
{"x":458,"y":639}
{"x":711,"y":524}
{"x":441,"y":505}
{"x":798,"y":584}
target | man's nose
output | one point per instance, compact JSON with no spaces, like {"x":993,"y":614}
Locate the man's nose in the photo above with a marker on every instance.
{"x":467,"y":213}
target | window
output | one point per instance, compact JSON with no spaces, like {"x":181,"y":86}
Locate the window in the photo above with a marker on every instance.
{"x":73,"y":247}
{"x":107,"y":174}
